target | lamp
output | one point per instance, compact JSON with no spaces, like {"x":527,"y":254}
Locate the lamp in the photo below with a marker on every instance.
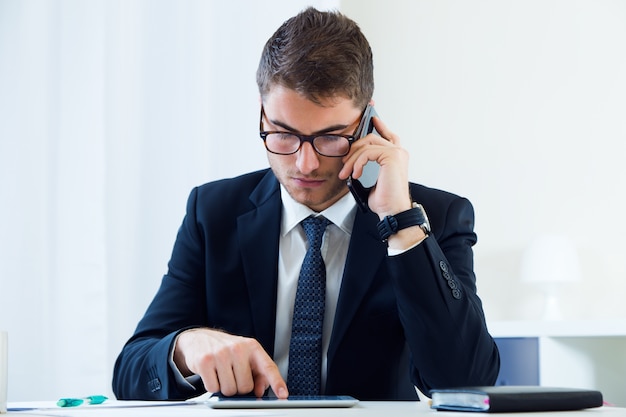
{"x":550,"y":262}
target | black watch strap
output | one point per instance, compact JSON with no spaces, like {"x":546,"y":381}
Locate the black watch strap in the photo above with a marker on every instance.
{"x":412,"y":217}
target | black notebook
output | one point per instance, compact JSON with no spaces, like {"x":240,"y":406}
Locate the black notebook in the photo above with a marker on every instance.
{"x":512,"y":398}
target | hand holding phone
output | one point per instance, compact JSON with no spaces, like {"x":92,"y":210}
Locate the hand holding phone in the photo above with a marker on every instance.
{"x":361,"y":188}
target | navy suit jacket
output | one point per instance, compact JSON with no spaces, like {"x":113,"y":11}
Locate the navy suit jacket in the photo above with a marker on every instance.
{"x":402,"y":321}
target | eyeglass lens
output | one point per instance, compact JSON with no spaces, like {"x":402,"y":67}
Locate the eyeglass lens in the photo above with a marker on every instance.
{"x":288,"y":143}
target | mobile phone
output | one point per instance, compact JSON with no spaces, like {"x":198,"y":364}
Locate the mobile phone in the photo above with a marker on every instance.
{"x":361,"y":188}
{"x":306,"y":401}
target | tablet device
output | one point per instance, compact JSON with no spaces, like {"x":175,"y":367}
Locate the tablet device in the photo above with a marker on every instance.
{"x":294,"y":401}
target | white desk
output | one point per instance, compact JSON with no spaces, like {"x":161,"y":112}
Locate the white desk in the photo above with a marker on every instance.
{"x":364,"y":408}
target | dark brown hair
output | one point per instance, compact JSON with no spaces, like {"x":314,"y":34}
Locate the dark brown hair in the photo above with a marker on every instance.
{"x":319,"y":55}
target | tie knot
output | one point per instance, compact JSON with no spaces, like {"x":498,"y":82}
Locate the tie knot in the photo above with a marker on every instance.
{"x":314,"y":228}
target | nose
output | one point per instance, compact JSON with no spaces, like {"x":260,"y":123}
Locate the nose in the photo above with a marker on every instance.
{"x":307,"y":159}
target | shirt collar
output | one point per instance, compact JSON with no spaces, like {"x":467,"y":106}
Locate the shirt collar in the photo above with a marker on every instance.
{"x":342,"y":213}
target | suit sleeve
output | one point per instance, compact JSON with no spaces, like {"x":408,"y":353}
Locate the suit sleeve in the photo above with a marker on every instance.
{"x":439,"y":309}
{"x":142,"y":369}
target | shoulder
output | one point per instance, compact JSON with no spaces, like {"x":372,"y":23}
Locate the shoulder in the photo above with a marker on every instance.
{"x":240,"y":189}
{"x":247,"y":181}
{"x":221,"y":202}
{"x":434,"y":197}
{"x":446,"y":211}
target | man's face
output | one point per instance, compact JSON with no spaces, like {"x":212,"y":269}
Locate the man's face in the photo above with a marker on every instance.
{"x":310,"y":178}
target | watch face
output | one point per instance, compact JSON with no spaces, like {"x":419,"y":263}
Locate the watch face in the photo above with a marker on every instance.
{"x":426,"y":225}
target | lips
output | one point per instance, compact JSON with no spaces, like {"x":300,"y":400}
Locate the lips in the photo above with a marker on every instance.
{"x":308,"y":182}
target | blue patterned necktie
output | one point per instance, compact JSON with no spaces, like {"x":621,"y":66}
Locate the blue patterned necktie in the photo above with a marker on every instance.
{"x":304,"y":376}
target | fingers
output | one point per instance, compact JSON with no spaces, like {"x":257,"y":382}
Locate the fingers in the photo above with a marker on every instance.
{"x":384,"y":131}
{"x":373,"y":147}
{"x":229,"y":364}
{"x":390,"y":195}
{"x":233,"y":373}
{"x":266,"y":375}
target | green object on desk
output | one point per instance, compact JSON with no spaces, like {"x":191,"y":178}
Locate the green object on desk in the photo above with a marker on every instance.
{"x":75,"y":402}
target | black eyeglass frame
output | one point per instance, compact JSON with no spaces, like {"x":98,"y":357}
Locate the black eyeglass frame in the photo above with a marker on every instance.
{"x":310,"y":138}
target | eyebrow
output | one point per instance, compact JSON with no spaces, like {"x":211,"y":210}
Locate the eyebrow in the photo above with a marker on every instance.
{"x":319,"y":132}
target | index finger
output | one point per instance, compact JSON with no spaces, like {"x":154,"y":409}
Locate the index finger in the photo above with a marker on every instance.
{"x":266,"y":374}
{"x":384,"y":131}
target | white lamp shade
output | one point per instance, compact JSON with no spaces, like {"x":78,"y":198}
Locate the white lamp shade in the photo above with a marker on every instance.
{"x":550,"y":258}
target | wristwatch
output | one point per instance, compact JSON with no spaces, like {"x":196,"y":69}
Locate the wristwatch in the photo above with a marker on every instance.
{"x":415,"y":216}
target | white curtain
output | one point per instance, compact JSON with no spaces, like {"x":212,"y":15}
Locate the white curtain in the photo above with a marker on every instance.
{"x":110,"y":112}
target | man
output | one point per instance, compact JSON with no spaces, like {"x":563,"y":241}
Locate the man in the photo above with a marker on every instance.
{"x":398,"y":308}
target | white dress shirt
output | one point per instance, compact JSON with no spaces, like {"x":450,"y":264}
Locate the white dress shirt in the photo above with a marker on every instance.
{"x":293,"y":246}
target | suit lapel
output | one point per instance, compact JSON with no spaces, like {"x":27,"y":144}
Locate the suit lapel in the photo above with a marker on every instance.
{"x":358,"y":274}
{"x":258,"y":232}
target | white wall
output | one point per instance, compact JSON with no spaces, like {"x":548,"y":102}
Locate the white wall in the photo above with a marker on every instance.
{"x":110,"y":111}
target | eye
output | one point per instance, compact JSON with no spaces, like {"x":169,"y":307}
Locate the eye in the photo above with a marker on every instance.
{"x":284,"y":136}
{"x":330,"y":138}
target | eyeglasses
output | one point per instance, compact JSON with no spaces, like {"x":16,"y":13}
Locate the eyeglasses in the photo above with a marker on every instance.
{"x":287,"y":143}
